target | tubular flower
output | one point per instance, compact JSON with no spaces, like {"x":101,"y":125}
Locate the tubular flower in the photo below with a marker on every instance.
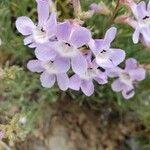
{"x":69,"y":40}
{"x":84,"y":81}
{"x":41,"y":33}
{"x":107,"y":57}
{"x":127,"y":78}
{"x":51,"y":71}
{"x":140,"y":22}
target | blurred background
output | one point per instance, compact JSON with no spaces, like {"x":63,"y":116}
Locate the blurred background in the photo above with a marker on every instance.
{"x":34,"y":118}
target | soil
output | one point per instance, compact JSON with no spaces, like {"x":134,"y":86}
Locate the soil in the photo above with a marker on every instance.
{"x":70,"y":126}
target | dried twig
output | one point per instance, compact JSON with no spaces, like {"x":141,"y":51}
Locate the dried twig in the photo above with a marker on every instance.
{"x":76,"y":7}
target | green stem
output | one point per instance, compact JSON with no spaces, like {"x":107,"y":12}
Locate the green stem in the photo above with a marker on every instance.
{"x":115,"y":12}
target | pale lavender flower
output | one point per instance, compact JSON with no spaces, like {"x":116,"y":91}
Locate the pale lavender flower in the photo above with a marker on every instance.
{"x":51,"y":71}
{"x":141,"y":21}
{"x":70,"y":39}
{"x":107,"y":57}
{"x":127,"y":78}
{"x":84,"y":81}
{"x":41,"y":33}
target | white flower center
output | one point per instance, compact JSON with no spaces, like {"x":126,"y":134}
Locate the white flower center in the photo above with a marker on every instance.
{"x":65,"y":49}
{"x":50,"y":68}
{"x":144,"y":22}
{"x":103,"y":56}
{"x":39,"y":35}
{"x":126,"y":79}
{"x":90,"y":73}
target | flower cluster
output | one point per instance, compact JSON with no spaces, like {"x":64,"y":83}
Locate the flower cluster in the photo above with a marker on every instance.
{"x":60,"y":46}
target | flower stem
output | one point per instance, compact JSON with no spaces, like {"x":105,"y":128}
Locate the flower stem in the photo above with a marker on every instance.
{"x":115,"y":12}
{"x":76,"y":7}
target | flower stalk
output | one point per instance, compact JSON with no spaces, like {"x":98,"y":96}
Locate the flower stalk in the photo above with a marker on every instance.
{"x":76,"y":7}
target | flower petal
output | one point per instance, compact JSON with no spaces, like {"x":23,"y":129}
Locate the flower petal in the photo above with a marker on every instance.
{"x":136,"y":36}
{"x":63,"y":31}
{"x":99,"y":45}
{"x":79,"y":64}
{"x":63,"y":81}
{"x":35,"y":66}
{"x":45,"y":52}
{"x":118,"y":56}
{"x":43,"y":11}
{"x":75,"y":82}
{"x":25,"y":25}
{"x":87,"y":87}
{"x":138,"y":74}
{"x":80,"y":36}
{"x":52,"y":24}
{"x":101,"y":78}
{"x":62,"y":64}
{"x":131,"y":64}
{"x":128,"y":92}
{"x":110,"y":34}
{"x":47,"y":80}
{"x":114,"y":72}
{"x":117,"y":86}
{"x":28,"y":40}
{"x":141,"y":9}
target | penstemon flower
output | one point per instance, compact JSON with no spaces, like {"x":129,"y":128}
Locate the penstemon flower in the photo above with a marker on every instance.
{"x":127,"y":78}
{"x":51,"y":71}
{"x":69,"y":41}
{"x":107,"y":57}
{"x":84,"y":81}
{"x":41,"y":33}
{"x":141,"y":21}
